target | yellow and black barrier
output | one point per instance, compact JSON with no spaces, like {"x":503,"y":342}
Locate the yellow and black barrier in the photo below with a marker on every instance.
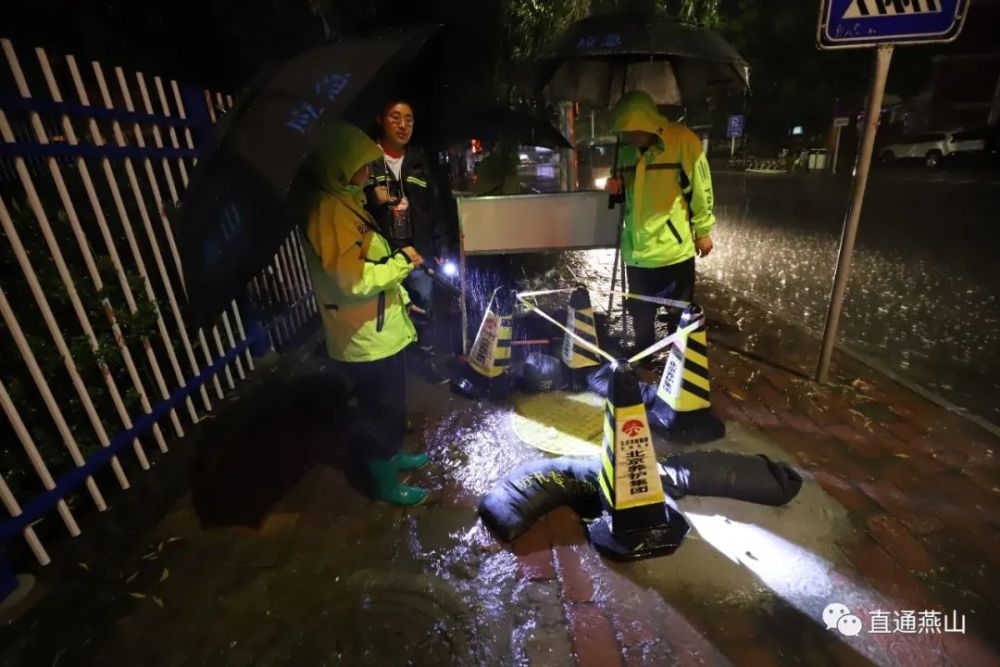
{"x":682,"y":409}
{"x":580,"y":325}
{"x":637,"y":520}
{"x":490,"y":356}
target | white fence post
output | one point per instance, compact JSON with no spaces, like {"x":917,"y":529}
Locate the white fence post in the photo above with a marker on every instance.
{"x":98,"y":139}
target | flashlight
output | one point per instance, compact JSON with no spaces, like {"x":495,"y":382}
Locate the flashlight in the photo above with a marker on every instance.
{"x":449,"y":269}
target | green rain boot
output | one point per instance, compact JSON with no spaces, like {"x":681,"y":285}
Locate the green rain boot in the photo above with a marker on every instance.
{"x":405,"y":462}
{"x":387,"y":487}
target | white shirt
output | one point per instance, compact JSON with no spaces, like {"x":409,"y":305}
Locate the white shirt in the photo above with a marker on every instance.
{"x":396,"y":165}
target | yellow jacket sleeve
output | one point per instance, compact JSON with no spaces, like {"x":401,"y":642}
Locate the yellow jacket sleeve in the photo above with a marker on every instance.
{"x":699,"y":194}
{"x":340,"y":244}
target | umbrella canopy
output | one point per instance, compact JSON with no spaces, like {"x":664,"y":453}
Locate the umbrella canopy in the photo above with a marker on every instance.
{"x":598,"y":58}
{"x":493,"y":123}
{"x":235,"y":216}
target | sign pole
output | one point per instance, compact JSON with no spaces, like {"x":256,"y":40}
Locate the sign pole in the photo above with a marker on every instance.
{"x":732,"y":147}
{"x":883,"y":56}
{"x":836,"y":150}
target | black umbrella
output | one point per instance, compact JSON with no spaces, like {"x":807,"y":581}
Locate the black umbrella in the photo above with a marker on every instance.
{"x":598,"y":58}
{"x":234,"y":217}
{"x":493,"y":123}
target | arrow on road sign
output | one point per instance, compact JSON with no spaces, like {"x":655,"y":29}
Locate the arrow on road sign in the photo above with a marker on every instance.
{"x":865,"y":8}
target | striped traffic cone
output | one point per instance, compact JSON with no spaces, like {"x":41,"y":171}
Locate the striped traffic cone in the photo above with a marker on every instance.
{"x":682,"y":409}
{"x":489,"y":358}
{"x":578,"y":359}
{"x":637,"y":521}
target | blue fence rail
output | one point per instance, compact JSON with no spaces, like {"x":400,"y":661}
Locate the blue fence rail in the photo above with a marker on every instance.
{"x":96,"y":180}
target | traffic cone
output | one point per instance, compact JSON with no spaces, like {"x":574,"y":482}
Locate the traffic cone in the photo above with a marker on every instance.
{"x":682,"y":409}
{"x":579,"y":359}
{"x":489,"y":358}
{"x":637,"y":521}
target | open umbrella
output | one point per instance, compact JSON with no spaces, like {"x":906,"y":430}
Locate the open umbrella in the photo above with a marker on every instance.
{"x":600,"y":57}
{"x":234,"y":217}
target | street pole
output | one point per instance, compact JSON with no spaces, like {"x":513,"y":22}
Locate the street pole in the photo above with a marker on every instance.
{"x":883,"y":56}
{"x":567,"y":156}
{"x":732,"y":147}
{"x":836,"y":150}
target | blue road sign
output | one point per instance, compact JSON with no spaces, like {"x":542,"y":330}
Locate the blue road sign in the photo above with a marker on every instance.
{"x":734,"y":128}
{"x":845,"y":24}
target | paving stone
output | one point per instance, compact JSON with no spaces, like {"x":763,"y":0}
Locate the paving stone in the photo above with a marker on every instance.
{"x":887,"y":576}
{"x":593,"y":638}
{"x":844,"y":491}
{"x":534,"y":553}
{"x":967,"y":650}
{"x":889,"y":496}
{"x":859,"y":443}
{"x":754,"y":654}
{"x":901,"y":545}
{"x":577,"y":584}
{"x":799,"y":423}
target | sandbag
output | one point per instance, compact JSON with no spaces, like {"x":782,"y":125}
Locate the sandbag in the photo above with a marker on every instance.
{"x":749,"y":477}
{"x":599,"y":380}
{"x":541,"y":372}
{"x":538,"y":487}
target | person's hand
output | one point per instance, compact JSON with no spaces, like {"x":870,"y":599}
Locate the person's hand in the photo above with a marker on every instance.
{"x":413,"y":309}
{"x":439,"y":261}
{"x":613,"y":186}
{"x":382,"y":194}
{"x":703,"y":245}
{"x":414,"y":256}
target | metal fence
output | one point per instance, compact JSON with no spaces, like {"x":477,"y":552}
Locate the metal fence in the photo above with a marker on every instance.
{"x":98,"y":369}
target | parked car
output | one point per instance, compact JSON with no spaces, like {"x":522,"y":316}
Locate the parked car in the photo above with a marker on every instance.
{"x":932,"y":147}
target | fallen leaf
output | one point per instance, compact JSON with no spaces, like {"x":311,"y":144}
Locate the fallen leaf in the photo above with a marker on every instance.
{"x":166,"y":573}
{"x":137,"y":596}
{"x":150,"y":556}
{"x":157,"y":601}
{"x":173,"y":539}
{"x":902,"y":456}
{"x":131,"y":577}
{"x":84,"y":566}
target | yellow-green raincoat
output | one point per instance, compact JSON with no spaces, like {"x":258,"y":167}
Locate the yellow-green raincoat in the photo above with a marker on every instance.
{"x":668,"y":189}
{"x":355,"y":273}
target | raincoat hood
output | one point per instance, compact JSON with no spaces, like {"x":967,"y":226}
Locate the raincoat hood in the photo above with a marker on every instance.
{"x":343,"y":150}
{"x":636,"y":111}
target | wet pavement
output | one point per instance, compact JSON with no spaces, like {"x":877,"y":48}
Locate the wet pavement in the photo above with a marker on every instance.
{"x":272,"y":553}
{"x":924,"y":297}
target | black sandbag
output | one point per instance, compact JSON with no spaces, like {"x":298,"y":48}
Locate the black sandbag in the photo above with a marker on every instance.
{"x":598,"y":382}
{"x":538,"y":487}
{"x":541,"y":372}
{"x":751,"y":477}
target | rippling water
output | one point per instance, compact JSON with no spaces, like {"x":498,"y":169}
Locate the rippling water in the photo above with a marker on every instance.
{"x":922,"y":300}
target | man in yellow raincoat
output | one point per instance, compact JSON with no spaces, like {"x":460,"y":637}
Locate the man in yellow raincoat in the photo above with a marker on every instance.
{"x":358,"y":280}
{"x":668,"y":207}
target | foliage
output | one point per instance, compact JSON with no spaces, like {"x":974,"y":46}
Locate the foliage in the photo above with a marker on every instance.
{"x":94,"y":363}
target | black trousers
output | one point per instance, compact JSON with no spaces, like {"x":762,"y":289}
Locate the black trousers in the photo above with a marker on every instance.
{"x":380,"y":389}
{"x":666,"y":282}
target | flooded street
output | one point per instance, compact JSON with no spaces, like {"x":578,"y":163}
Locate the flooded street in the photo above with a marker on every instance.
{"x":924,"y":296}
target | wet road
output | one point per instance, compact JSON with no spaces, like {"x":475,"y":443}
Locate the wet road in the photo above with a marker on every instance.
{"x":923,"y":298}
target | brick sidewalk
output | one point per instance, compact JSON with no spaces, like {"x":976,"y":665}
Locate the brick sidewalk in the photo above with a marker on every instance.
{"x":920,"y":484}
{"x":908,"y":521}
